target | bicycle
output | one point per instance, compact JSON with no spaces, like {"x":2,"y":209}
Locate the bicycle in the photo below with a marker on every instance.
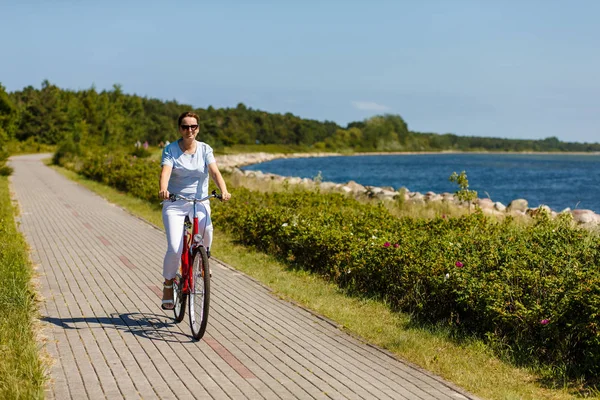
{"x":194,"y":280}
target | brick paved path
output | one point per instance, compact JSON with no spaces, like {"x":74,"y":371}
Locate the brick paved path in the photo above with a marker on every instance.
{"x":100,"y":271}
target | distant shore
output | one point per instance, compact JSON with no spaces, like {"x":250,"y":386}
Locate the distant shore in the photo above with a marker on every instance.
{"x":245,"y":159}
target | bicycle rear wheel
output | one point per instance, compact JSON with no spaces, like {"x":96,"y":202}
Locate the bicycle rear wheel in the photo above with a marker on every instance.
{"x":178,"y":298}
{"x":199,"y":293}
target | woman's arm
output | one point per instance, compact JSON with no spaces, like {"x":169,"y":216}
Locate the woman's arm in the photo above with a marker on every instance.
{"x":216,"y":176}
{"x":165,"y":175}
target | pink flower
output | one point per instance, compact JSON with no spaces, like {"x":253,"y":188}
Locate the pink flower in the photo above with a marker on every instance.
{"x":459,"y":264}
{"x":545,"y":321}
{"x":387,"y":244}
{"x":396,"y":245}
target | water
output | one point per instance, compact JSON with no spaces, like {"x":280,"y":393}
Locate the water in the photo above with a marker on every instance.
{"x":557,"y":180}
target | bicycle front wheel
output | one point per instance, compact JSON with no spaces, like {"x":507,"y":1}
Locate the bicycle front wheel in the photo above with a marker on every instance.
{"x":199,"y":298}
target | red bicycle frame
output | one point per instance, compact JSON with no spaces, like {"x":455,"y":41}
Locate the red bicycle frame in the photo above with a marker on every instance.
{"x":187,"y":252}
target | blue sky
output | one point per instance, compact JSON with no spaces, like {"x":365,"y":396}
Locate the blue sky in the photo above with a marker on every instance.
{"x":513,"y":69}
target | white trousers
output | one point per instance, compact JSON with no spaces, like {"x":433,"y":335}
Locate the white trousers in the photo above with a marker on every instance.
{"x":173,"y":215}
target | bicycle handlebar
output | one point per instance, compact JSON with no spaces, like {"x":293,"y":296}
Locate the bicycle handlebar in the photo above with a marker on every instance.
{"x":174,"y":197}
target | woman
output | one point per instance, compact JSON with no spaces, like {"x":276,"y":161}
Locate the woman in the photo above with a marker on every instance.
{"x":186,"y":166}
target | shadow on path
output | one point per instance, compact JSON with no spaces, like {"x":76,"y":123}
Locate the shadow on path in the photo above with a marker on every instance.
{"x":149,"y":326}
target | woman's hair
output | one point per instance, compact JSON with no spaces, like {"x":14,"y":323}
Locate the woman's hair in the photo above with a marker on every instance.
{"x":185,"y":115}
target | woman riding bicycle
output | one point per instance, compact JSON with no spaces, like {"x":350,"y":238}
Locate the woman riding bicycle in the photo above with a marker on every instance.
{"x":186,"y":166}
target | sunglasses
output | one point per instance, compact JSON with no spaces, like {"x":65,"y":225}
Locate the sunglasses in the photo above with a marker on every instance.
{"x":186,"y":127}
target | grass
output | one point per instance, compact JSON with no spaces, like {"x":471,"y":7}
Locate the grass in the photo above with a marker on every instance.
{"x":22,"y":373}
{"x":467,"y":362}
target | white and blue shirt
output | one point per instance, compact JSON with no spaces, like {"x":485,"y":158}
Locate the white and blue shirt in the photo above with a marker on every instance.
{"x":190,"y":171}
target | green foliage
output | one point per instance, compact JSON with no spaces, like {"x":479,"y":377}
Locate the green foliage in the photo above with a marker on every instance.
{"x":5,"y":170}
{"x":141,"y":152}
{"x":21,"y":371}
{"x":112,"y":118}
{"x":463,"y":193}
{"x":534,"y":288}
{"x":125,"y":172}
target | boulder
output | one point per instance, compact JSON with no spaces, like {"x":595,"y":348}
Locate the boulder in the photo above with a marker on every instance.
{"x":436,"y":198}
{"x":448,"y":197}
{"x":356,"y":187}
{"x":491,"y":211}
{"x":237,"y":172}
{"x":327,"y":185}
{"x":387,"y":194}
{"x":485,"y":204}
{"x":416,"y":197}
{"x":518,"y":205}
{"x":499,"y":206}
{"x":585,"y":217}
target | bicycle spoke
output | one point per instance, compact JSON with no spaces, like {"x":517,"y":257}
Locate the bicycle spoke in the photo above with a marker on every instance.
{"x":199,"y":295}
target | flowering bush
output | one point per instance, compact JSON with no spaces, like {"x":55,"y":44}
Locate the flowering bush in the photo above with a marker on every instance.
{"x":535,"y":288}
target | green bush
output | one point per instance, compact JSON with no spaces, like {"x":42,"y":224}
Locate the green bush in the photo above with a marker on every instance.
{"x":534,"y":288}
{"x":141,"y":152}
{"x":5,"y":170}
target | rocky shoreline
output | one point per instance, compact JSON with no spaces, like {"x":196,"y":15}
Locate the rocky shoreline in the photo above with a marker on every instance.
{"x":232,"y":164}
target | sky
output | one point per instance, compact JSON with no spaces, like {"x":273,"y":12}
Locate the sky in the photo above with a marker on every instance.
{"x":526,"y":69}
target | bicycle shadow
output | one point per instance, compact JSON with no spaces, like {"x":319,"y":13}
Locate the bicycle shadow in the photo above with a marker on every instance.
{"x":148,"y":326}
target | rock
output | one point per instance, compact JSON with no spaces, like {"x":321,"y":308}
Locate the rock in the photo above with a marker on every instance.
{"x":327,"y":186}
{"x":491,"y":211}
{"x":387,"y":194}
{"x":518,"y":205}
{"x":499,"y":206}
{"x":237,"y":172}
{"x":356,"y":187}
{"x":485,"y":204}
{"x":448,"y":197}
{"x":585,"y":217}
{"x":432,"y":197}
{"x":416,"y":198}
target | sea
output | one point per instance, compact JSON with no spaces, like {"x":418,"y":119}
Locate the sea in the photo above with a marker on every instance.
{"x":559,"y":181}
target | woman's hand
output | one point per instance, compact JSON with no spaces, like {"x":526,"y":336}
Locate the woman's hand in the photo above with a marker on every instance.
{"x":225,"y":196}
{"x":164,"y":194}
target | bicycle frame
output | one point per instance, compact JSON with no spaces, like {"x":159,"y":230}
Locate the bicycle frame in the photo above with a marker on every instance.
{"x":190,"y":241}
{"x":185,"y":286}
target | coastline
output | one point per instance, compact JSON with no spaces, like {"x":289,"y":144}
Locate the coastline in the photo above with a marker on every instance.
{"x":233,"y":162}
{"x":244,"y":159}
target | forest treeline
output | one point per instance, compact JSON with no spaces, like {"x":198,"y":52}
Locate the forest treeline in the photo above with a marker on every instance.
{"x":51,"y":115}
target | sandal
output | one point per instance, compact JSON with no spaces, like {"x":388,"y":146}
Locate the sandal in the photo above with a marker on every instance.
{"x":168,"y":304}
